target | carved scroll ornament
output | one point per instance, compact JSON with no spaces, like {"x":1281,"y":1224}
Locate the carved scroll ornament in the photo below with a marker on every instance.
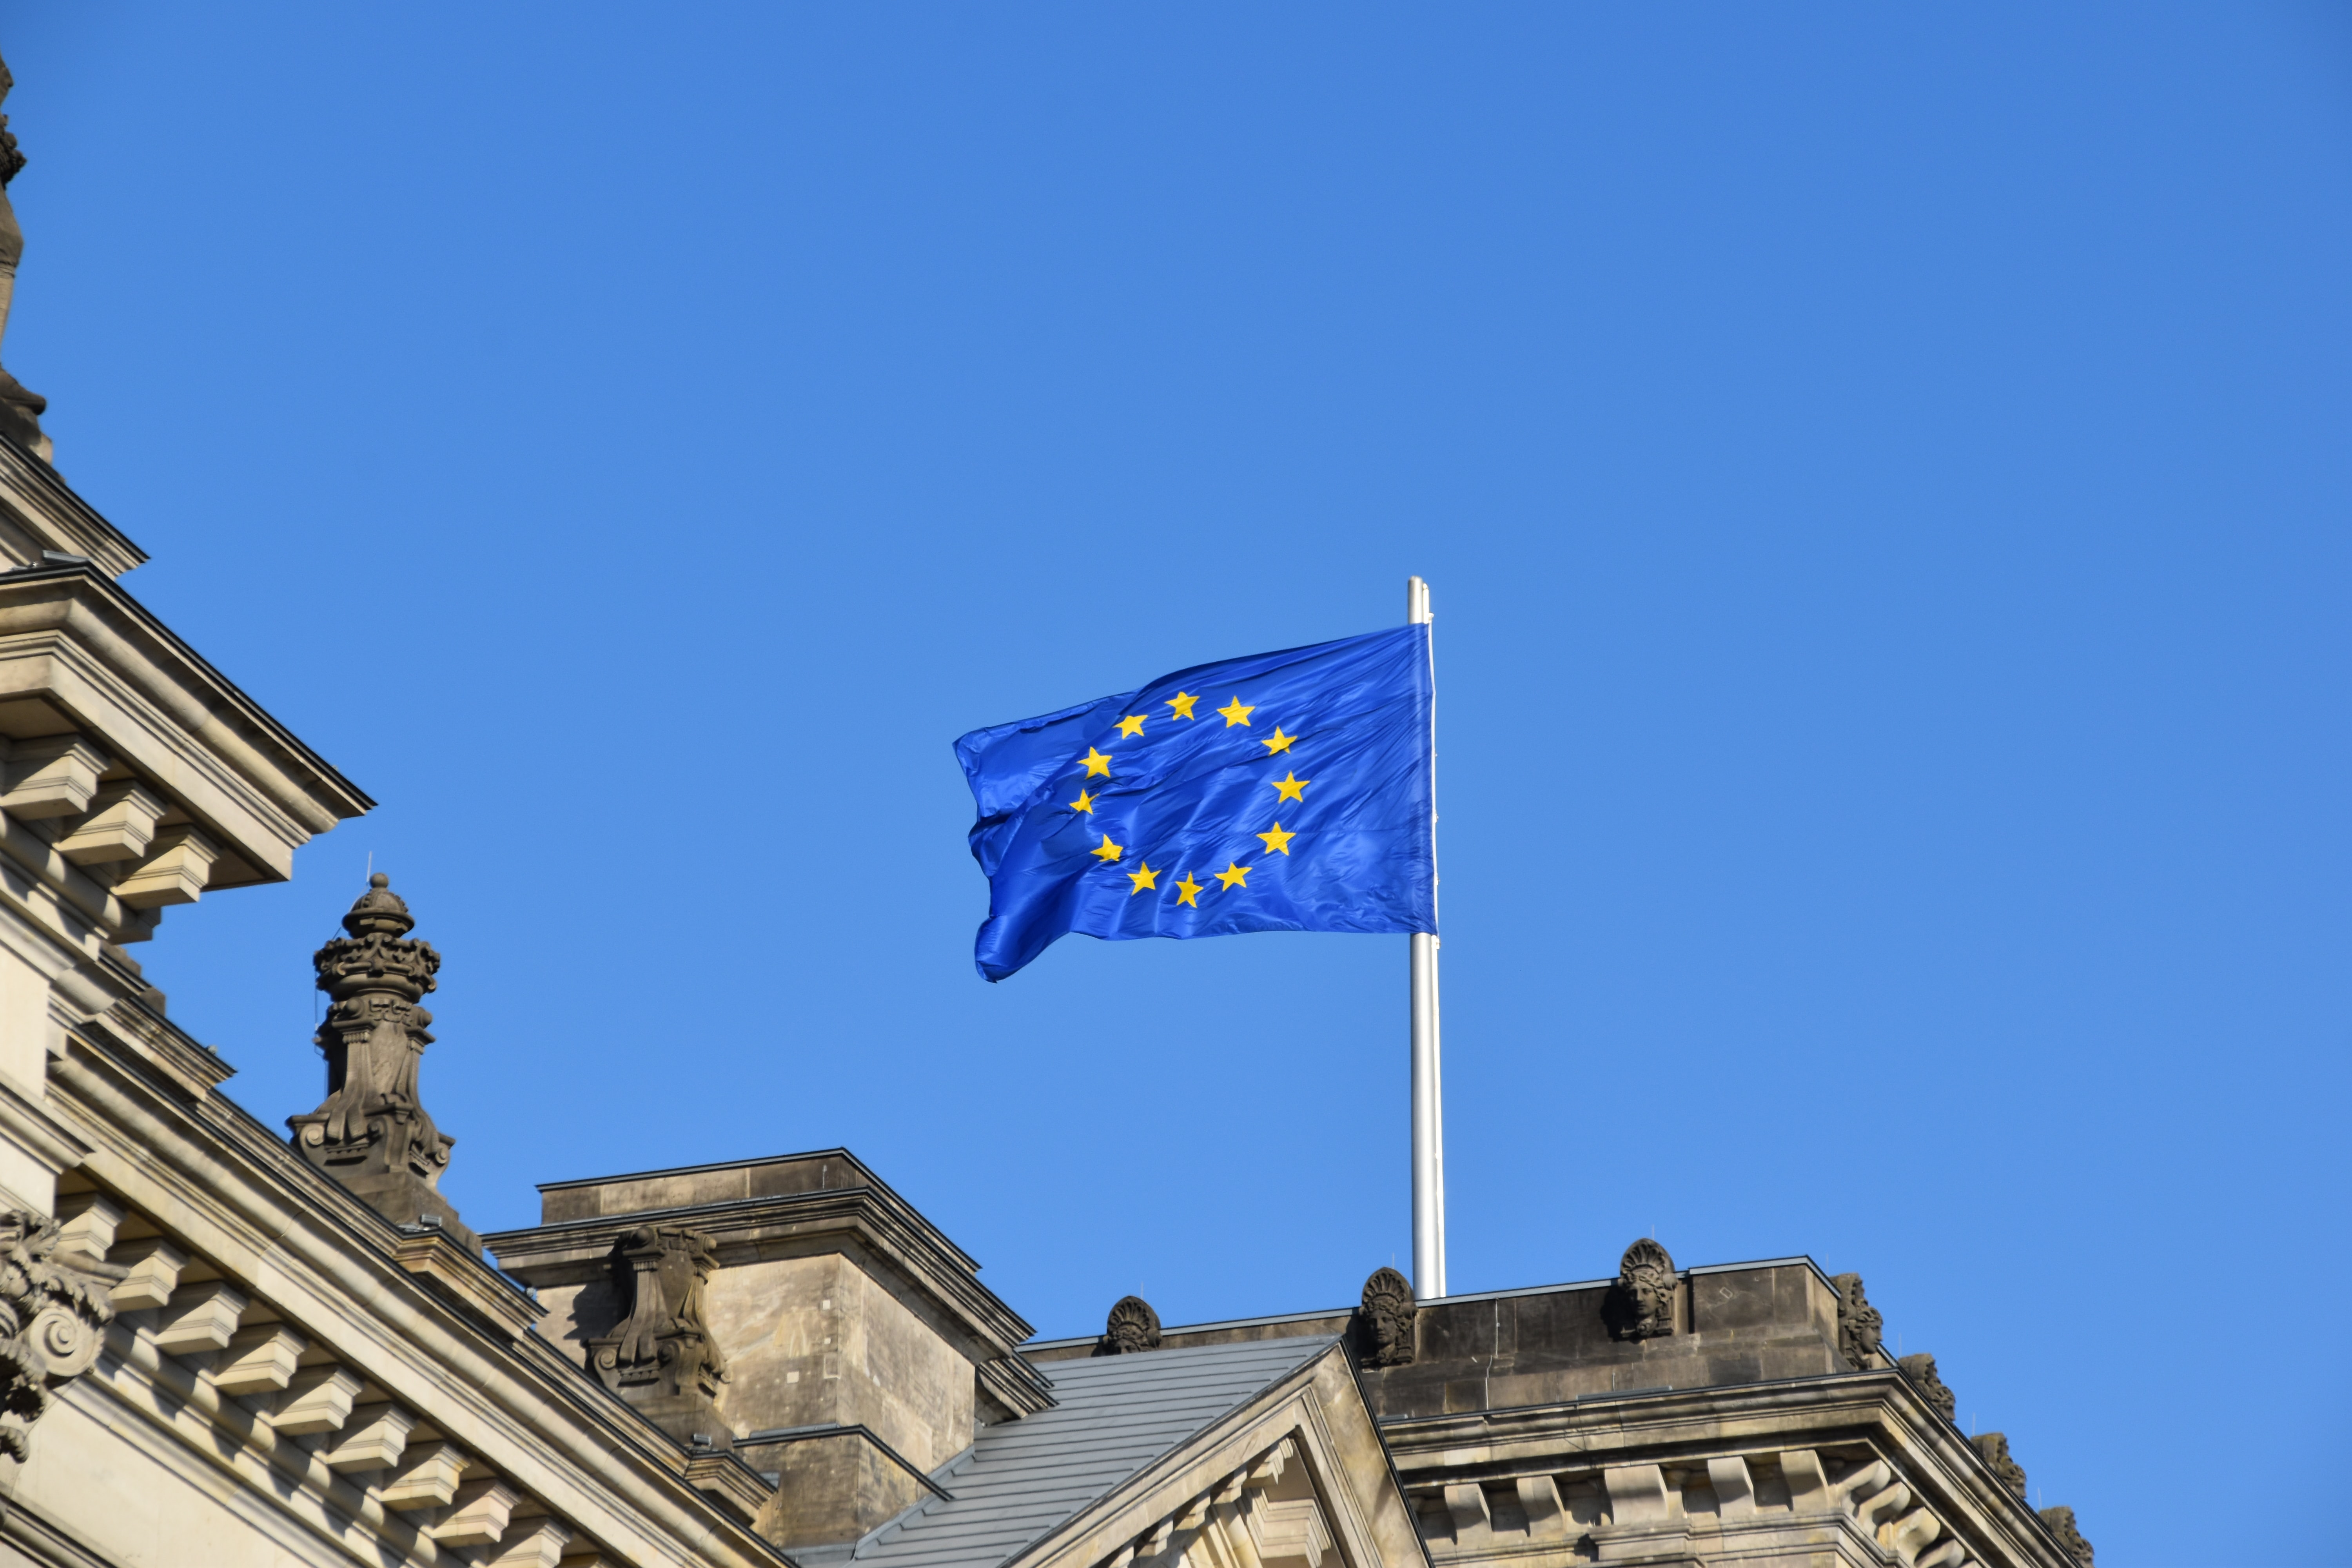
{"x":2062,"y":1524}
{"x":1386,"y":1319}
{"x":1641,"y":1305}
{"x":1921,"y":1370}
{"x":53,"y":1316}
{"x":1993,"y":1447}
{"x":662,"y":1345}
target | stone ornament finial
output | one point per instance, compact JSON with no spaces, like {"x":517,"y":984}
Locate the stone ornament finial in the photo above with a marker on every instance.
{"x":372,"y":1133}
{"x":2062,"y":1524}
{"x":20,"y":410}
{"x":1386,"y":1319}
{"x":53,"y":1315}
{"x":1132,"y":1326}
{"x":1641,"y":1305}
{"x":1921,"y":1370}
{"x":1859,"y":1324}
{"x":1993,"y":1449}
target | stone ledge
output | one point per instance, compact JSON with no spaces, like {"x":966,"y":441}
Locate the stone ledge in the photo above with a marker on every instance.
{"x":38,"y":501}
{"x":438,"y":1256}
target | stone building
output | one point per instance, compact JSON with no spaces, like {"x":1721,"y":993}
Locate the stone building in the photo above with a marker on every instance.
{"x":226,"y":1342}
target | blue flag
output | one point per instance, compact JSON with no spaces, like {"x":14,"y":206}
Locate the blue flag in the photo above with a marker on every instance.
{"x":1286,"y":792}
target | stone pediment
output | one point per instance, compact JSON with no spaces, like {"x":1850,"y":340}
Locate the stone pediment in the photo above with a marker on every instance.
{"x":1281,"y":1466}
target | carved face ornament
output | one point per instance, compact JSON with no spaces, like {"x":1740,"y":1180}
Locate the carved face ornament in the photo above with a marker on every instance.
{"x":1644,"y":1307}
{"x":1388,"y":1312}
{"x":1132,"y":1326}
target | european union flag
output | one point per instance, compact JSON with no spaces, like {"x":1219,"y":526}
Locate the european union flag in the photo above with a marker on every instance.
{"x":1305,"y":802}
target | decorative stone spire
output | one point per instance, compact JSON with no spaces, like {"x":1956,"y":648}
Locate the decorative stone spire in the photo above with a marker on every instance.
{"x":20,"y":411}
{"x":372,"y":1133}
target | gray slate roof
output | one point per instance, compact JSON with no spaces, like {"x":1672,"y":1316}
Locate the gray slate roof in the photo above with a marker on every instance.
{"x":1022,"y":1479}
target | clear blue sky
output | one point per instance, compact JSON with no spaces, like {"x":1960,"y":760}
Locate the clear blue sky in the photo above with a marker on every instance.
{"x":1883,"y":472}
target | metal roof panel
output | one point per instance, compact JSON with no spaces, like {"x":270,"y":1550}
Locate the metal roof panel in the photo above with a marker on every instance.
{"x":1022,"y":1479}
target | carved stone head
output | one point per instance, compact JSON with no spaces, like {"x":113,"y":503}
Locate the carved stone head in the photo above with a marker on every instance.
{"x":1921,"y":1370}
{"x":1641,"y":1305}
{"x":1993,"y":1449}
{"x":1859,"y":1323}
{"x":1385,"y":1320}
{"x":1133,"y":1326}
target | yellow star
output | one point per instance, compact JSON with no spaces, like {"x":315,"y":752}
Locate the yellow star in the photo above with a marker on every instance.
{"x":1277,"y":842}
{"x":1237,"y":714}
{"x":1281,"y":742}
{"x":1234,"y":876}
{"x":1183,"y":705}
{"x":1132,"y":725}
{"x":1106,"y":851}
{"x":1188,"y":890}
{"x":1290,"y":789}
{"x":1142,"y":880}
{"x":1095,"y":762}
{"x":1085,"y":802}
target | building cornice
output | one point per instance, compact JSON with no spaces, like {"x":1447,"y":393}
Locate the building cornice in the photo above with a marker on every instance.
{"x":74,"y":640}
{"x":1878,"y":1410}
{"x":229,"y":1190}
{"x":796,"y":1224}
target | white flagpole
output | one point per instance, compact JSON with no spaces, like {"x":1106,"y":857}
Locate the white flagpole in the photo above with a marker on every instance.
{"x":1428,"y":1096}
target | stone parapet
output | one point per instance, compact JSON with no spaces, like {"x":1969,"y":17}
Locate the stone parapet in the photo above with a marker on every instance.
{"x":830,"y":1302}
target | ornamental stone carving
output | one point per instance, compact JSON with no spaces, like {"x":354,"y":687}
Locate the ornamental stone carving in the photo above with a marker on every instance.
{"x":20,"y":410}
{"x":1132,"y":1326}
{"x":1859,"y":1324}
{"x":53,"y":1316}
{"x":372,"y":1133}
{"x":1385,"y":1320}
{"x":2060,"y":1522}
{"x":1993,"y":1447}
{"x":1641,"y":1305}
{"x":663,"y":1357}
{"x":1921,"y":1370}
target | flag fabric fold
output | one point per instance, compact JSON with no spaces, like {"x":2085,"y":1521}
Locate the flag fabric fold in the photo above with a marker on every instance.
{"x":1288,"y":791}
